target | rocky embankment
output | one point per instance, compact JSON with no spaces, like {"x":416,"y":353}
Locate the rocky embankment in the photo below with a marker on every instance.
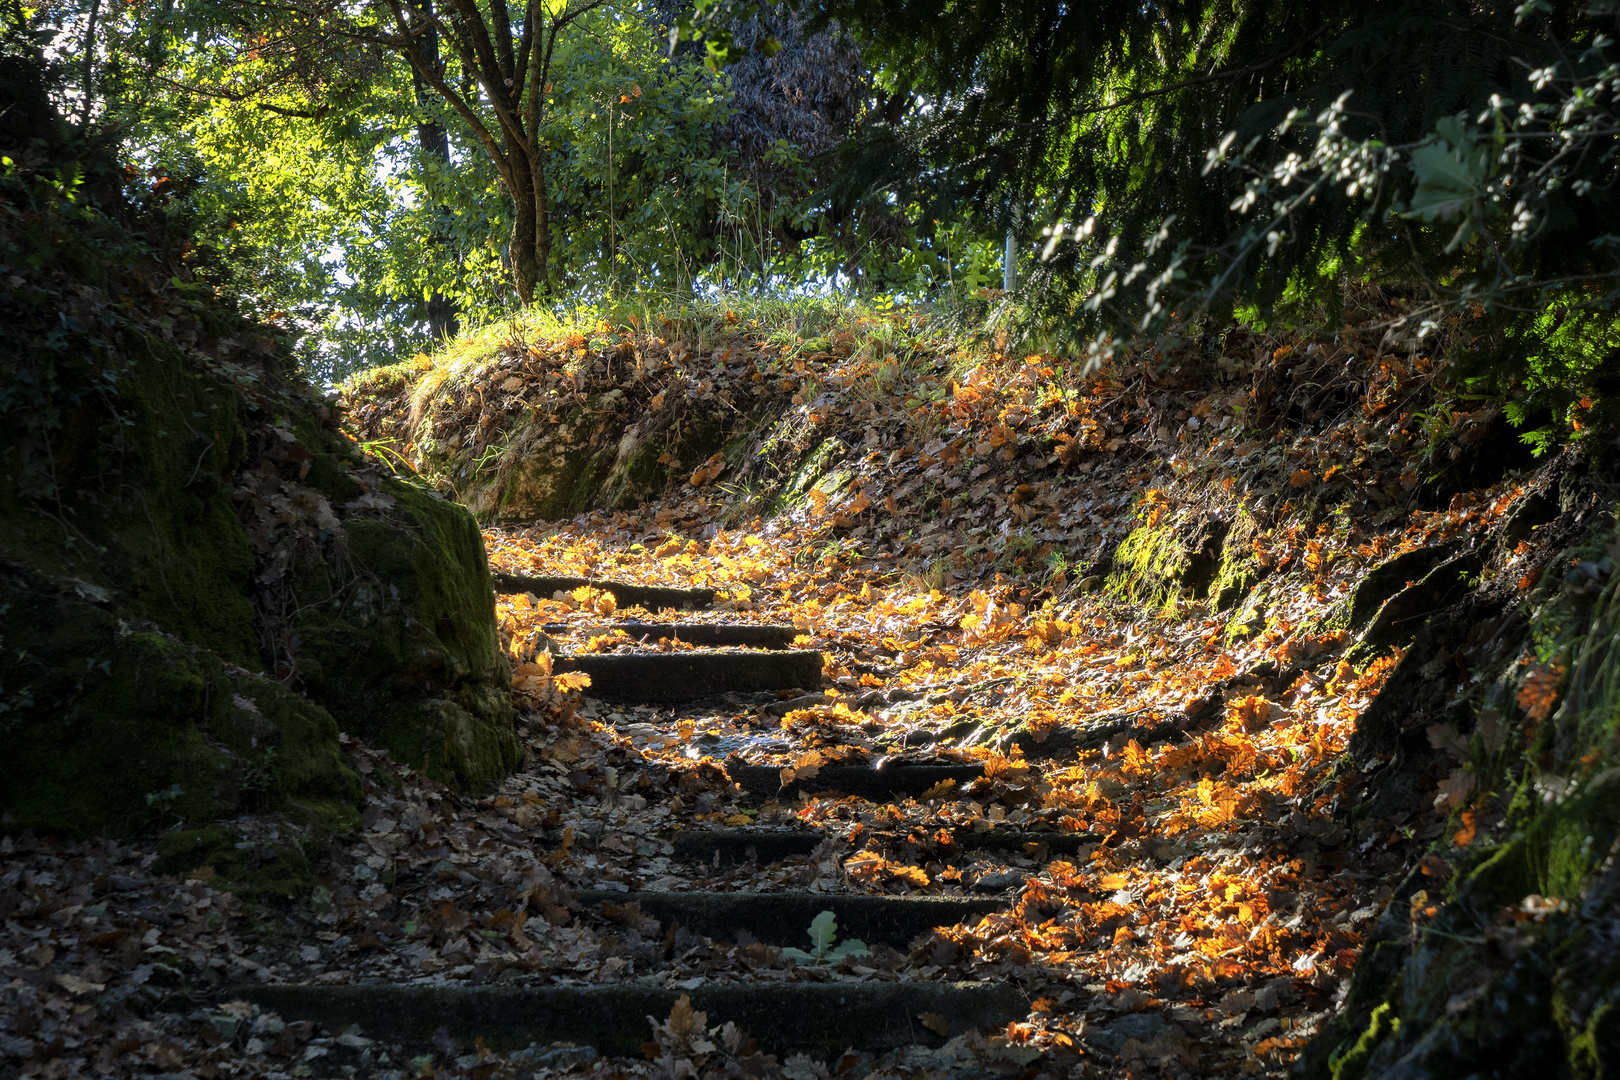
{"x":203,"y":578}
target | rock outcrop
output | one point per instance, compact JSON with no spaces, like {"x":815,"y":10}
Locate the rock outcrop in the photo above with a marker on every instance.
{"x":202,"y":579}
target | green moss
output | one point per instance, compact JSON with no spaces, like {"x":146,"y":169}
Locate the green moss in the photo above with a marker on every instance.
{"x":637,"y":471}
{"x":1383,"y":1024}
{"x":1594,"y":1048}
{"x":408,"y":655}
{"x":810,"y":473}
{"x":556,"y":471}
{"x":265,"y":873}
{"x":145,"y":508}
{"x":1156,"y":565}
{"x":1506,"y":872}
{"x":1239,"y":573}
{"x":1554,"y":854}
{"x":1250,"y":617}
{"x":1147,"y":565}
{"x":328,"y":476}
{"x":141,"y":727}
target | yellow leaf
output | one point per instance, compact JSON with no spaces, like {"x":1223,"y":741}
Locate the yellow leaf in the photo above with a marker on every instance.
{"x":914,"y":874}
{"x":1540,"y":691}
{"x":571,"y":680}
{"x":1470,"y":828}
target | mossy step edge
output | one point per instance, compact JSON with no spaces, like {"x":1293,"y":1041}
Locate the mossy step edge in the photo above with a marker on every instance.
{"x":876,"y":785}
{"x":651,"y":597}
{"x":690,"y":676}
{"x":783,"y":919}
{"x":769,"y":845}
{"x":743,"y":634}
{"x":818,"y":1018}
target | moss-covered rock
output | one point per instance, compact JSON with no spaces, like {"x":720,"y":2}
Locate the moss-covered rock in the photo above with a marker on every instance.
{"x":405,"y":653}
{"x":1539,"y":1002}
{"x":204,"y":579}
{"x":1376,"y":587}
{"x":552,"y":428}
{"x":139,"y":727}
{"x":376,"y":603}
{"x":1502,"y":963}
{"x":1157,"y":564}
{"x":1397,"y":619}
{"x":264,"y":873}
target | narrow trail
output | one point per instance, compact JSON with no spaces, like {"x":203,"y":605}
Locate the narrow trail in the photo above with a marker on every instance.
{"x":1069,"y":845}
{"x":1078,"y":831}
{"x":1159,"y":889}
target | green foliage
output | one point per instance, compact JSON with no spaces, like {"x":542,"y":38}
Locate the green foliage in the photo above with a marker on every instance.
{"x":335,"y":216}
{"x":823,"y":933}
{"x":1192,"y":158}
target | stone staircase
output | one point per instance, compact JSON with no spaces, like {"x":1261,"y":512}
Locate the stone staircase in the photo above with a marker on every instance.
{"x":825,"y":1016}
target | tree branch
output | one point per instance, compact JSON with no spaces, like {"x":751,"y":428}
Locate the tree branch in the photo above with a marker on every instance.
{"x":432,"y":77}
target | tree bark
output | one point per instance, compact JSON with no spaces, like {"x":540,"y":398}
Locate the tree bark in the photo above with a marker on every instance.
{"x":434,"y":141}
{"x":89,"y":61}
{"x":528,"y":266}
{"x":508,"y":119}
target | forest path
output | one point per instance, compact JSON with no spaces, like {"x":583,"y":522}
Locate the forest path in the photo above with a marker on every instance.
{"x":1076,"y":840}
{"x":1063,"y":849}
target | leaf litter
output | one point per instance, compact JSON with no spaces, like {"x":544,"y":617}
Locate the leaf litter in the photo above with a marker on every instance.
{"x":1205,"y":924}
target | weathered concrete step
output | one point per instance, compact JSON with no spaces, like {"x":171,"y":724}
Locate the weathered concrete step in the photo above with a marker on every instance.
{"x":688,"y":676}
{"x":651,"y":597}
{"x":745,"y":844}
{"x":817,"y":1018}
{"x":877,"y":785}
{"x":784,"y":918}
{"x":754,"y":637}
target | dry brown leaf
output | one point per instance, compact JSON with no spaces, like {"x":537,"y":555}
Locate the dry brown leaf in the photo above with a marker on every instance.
{"x":1454,"y":789}
{"x":1445,"y":737}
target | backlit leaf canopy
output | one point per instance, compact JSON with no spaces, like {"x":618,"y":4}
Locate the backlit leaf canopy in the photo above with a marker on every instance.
{"x":1043,"y":114}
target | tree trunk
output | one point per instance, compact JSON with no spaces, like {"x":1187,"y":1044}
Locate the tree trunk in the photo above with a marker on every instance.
{"x":442,"y":312}
{"x":530,"y":245}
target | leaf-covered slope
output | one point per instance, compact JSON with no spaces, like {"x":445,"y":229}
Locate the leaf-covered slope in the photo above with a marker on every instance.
{"x":1271,"y":595}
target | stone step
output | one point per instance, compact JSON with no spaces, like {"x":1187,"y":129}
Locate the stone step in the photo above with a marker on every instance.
{"x":690,"y":676}
{"x":651,"y":597}
{"x":817,"y":1018}
{"x":875,"y":785}
{"x":714,"y":634}
{"x":755,"y":844}
{"x":783,"y":919}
